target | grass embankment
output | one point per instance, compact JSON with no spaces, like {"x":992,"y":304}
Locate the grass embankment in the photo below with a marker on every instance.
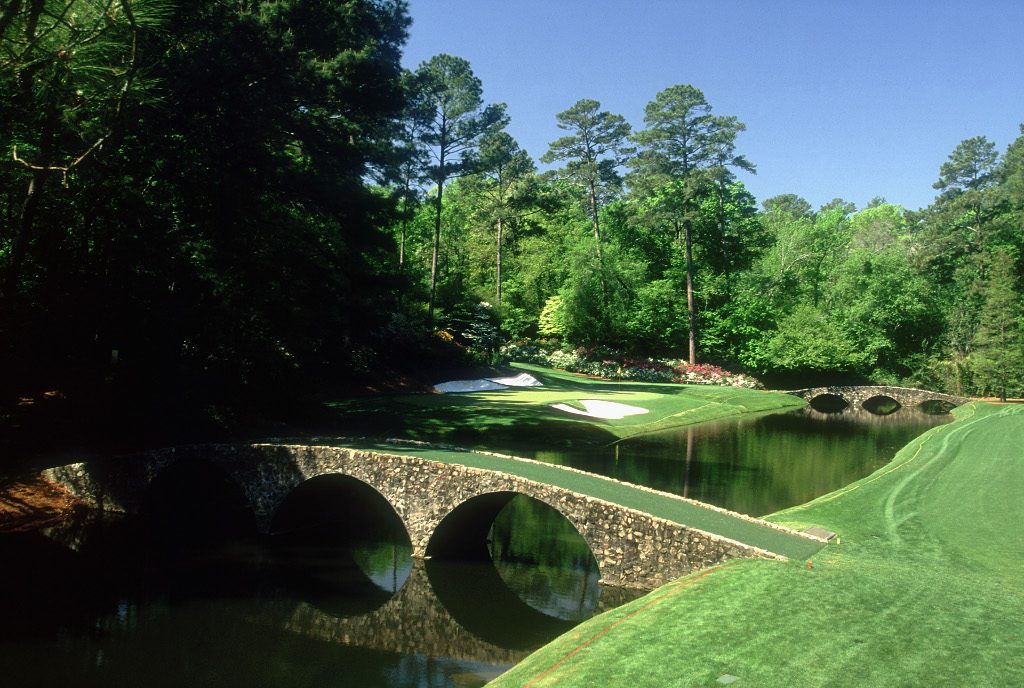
{"x":523,"y":418}
{"x":925,"y":588}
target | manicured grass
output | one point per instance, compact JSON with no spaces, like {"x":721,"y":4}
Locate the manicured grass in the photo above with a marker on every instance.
{"x":925,"y":588}
{"x":662,"y":505}
{"x":523,"y":418}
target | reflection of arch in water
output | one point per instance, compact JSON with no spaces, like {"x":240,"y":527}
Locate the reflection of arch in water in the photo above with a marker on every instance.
{"x":340,"y":545}
{"x":936,"y":407}
{"x":432,"y":629}
{"x":881,"y":405}
{"x":482,"y":603}
{"x":527,"y":544}
{"x":829,"y":403}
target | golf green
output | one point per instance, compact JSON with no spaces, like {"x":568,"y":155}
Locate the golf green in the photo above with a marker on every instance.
{"x":517,"y":417}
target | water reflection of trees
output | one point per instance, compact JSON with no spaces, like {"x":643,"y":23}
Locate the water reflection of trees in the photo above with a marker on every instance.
{"x":762,"y":464}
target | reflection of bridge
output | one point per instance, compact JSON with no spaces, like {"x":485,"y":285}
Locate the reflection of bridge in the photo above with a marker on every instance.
{"x":855,"y":396}
{"x":444,"y":610}
{"x":447,"y":507}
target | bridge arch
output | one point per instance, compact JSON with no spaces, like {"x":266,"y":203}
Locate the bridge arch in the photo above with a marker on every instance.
{"x":339,"y":527}
{"x":463,"y":533}
{"x":339,"y":507}
{"x":881,"y":405}
{"x":826,"y":402}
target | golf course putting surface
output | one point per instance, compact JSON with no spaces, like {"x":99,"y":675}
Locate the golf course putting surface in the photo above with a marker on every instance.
{"x":923,"y":587}
{"x":692,"y":514}
{"x":518,"y":418}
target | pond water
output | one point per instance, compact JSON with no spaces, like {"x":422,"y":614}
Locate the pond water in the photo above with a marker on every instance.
{"x":116,"y":602}
{"x":756,"y":464}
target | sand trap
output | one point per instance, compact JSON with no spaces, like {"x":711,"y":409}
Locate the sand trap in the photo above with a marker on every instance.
{"x":608,"y":410}
{"x":487,"y":384}
{"x":520,"y":380}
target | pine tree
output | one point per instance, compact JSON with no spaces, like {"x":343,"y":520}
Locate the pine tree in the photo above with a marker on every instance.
{"x":998,"y":347}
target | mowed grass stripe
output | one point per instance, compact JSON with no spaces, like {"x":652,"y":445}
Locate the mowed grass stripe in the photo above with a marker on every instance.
{"x":659,"y":505}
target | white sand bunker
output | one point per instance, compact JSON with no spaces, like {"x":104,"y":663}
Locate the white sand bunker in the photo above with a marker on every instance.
{"x":608,"y":410}
{"x":488,"y":384}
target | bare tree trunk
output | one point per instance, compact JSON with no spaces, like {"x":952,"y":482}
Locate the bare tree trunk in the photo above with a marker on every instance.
{"x":689,"y":294}
{"x":434,"y":255}
{"x":600,"y":253}
{"x":722,"y":238}
{"x":497,"y":277}
{"x":401,"y":247}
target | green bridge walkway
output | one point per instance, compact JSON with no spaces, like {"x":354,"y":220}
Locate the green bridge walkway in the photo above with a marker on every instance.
{"x":686,"y":512}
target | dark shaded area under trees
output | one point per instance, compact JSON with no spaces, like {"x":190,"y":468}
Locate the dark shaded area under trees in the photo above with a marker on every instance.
{"x":213,"y":216}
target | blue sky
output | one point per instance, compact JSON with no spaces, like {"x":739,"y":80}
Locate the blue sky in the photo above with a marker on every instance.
{"x":842,"y":98}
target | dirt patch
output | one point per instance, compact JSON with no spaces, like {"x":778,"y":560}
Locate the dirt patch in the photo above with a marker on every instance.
{"x":33,"y":503}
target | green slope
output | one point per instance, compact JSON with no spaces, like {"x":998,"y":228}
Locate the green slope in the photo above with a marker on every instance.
{"x":925,"y":588}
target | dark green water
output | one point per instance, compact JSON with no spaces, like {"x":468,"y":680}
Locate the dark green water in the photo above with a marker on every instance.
{"x":119,"y":603}
{"x":757,"y":465}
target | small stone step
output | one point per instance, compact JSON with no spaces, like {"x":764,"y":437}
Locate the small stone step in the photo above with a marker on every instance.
{"x":814,"y":531}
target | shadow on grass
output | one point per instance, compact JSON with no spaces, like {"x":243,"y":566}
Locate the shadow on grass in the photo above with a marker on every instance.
{"x":466,"y":421}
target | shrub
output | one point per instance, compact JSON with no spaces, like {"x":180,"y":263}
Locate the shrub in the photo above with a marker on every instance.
{"x":613,"y":365}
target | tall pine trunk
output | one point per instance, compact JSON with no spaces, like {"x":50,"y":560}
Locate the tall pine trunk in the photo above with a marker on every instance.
{"x":600,"y":252}
{"x":497,"y":276}
{"x":691,"y":312}
{"x":434,"y":255}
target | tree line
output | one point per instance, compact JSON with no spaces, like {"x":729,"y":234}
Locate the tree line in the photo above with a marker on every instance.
{"x":645,"y":240}
{"x":227,"y":201}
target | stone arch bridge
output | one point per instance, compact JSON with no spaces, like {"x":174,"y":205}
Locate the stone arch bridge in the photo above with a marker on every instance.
{"x":446,"y":508}
{"x":855,"y":396}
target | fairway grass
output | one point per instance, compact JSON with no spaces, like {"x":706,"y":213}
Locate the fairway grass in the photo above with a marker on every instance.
{"x":924,"y":589}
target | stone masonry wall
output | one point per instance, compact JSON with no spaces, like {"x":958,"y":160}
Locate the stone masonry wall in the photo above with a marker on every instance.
{"x":632,"y":548}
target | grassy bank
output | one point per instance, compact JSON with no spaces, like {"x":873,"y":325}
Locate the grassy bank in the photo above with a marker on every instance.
{"x":523,"y":418}
{"x":924,"y":589}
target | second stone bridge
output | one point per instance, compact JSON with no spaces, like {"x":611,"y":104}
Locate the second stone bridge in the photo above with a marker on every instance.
{"x":447,"y":508}
{"x":855,"y":395}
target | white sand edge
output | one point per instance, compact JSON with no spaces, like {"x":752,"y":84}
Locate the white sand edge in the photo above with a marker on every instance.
{"x":606,"y":410}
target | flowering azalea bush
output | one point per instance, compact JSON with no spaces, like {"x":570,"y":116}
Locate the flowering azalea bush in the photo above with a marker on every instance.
{"x":614,"y":365}
{"x":707,"y":374}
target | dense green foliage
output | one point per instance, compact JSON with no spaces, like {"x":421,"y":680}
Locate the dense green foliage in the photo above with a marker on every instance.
{"x":674,"y":259}
{"x":188,"y":215}
{"x":216,"y":203}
